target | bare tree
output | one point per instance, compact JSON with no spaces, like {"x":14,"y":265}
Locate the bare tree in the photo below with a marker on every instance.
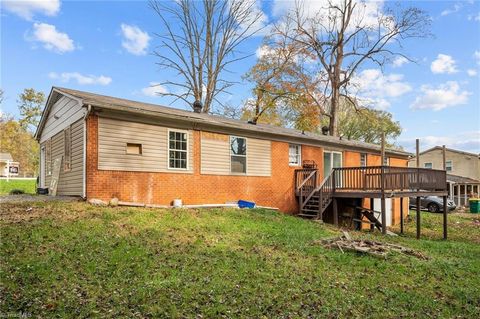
{"x":343,"y":36}
{"x":200,"y":43}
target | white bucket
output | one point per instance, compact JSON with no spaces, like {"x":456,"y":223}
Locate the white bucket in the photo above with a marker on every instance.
{"x":177,"y":203}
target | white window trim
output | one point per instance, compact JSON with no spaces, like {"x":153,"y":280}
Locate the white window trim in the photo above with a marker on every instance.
{"x":386,"y":161}
{"x":168,"y":150}
{"x":230,"y":154}
{"x":425,"y":165}
{"x":299,"y":155}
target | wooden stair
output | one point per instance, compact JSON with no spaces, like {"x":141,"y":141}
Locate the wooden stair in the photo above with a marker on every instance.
{"x":315,"y":200}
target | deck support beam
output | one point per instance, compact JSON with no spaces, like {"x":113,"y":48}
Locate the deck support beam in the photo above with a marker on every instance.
{"x":335,"y":212}
{"x":445,"y":206}
{"x":382,"y":181}
{"x":401,"y":215}
{"x":417,"y":142}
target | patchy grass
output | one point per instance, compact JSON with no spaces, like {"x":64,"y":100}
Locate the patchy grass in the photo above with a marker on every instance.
{"x":75,"y":260}
{"x":27,"y":185}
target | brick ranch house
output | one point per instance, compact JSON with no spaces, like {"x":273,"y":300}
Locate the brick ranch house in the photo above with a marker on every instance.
{"x":145,"y":153}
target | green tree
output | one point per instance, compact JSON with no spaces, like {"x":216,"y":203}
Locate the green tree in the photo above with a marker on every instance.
{"x":367,"y":125}
{"x":30,"y":104}
{"x":19,"y":142}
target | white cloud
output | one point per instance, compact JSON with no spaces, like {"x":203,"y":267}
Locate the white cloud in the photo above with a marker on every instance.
{"x":472,"y":72}
{"x":260,"y":24}
{"x":51,"y":38}
{"x":264,"y":50}
{"x":468,"y":141}
{"x":437,"y":98}
{"x":153,"y":89}
{"x":443,"y":64}
{"x":28,"y":8}
{"x":399,"y":61}
{"x":135,"y":40}
{"x":80,"y":78}
{"x":376,"y":88}
{"x":476,"y":55}
{"x":474,"y":17}
{"x":365,"y":15}
{"x":456,"y":8}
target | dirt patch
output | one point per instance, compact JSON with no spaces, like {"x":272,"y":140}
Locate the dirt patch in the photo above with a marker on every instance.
{"x":25,"y":198}
{"x":23,"y":212}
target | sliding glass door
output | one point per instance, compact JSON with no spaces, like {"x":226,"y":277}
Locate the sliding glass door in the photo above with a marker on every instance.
{"x":331,"y":160}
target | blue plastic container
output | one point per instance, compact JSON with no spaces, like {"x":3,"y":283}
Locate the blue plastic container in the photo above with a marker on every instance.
{"x":246,"y":204}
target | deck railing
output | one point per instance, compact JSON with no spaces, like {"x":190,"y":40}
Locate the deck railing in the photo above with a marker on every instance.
{"x":394,"y":178}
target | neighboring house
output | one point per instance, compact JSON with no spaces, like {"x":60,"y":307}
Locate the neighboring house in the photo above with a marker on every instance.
{"x":463,"y":169}
{"x":7,"y":165}
{"x":151,"y":154}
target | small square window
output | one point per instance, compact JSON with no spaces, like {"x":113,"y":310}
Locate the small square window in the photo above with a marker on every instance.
{"x":134,"y":149}
{"x":428,"y":165}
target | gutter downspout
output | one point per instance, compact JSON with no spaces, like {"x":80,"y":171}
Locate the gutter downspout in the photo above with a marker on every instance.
{"x":84,"y":173}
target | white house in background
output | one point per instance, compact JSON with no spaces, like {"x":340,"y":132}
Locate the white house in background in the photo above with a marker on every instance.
{"x":8,"y":165}
{"x":463,"y":171}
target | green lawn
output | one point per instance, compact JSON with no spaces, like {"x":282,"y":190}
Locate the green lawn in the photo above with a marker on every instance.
{"x":27,"y":185}
{"x":74,"y":260}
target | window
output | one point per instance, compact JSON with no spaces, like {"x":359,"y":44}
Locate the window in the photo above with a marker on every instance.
{"x":386,"y":161}
{"x":238,"y":155}
{"x":448,"y":166}
{"x":134,"y":149}
{"x":67,"y":145}
{"x":177,"y":150}
{"x":48,"y":156}
{"x":428,"y":165}
{"x":363,"y":159}
{"x":294,"y":154}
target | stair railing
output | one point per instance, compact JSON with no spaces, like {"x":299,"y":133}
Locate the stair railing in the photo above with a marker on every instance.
{"x":309,"y":183}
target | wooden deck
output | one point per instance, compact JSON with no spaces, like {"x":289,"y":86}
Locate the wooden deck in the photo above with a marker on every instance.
{"x":382,"y":182}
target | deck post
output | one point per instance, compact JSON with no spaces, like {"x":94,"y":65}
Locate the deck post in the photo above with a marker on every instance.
{"x":372,"y":201}
{"x":445,"y":206}
{"x":417,"y":204}
{"x":335,"y":212}
{"x":401,"y":215}
{"x":382,"y":180}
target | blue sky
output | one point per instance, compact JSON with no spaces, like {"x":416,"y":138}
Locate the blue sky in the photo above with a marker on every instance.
{"x":106,"y":46}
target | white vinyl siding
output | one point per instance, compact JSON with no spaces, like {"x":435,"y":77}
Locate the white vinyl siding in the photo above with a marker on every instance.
{"x":62,"y":114}
{"x":215,"y":156}
{"x":113,"y":136}
{"x":259,"y":161}
{"x":70,"y":182}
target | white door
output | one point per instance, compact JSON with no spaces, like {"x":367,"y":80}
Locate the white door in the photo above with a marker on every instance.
{"x":331,"y":160}
{"x":377,"y":204}
{"x":42,"y":167}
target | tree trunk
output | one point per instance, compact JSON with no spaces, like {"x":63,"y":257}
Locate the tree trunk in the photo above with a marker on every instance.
{"x":333,"y":126}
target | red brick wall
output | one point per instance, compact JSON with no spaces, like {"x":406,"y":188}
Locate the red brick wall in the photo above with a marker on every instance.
{"x":162,"y":188}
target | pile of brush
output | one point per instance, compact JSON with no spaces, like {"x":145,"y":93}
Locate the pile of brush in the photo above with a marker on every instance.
{"x":365,"y":246}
